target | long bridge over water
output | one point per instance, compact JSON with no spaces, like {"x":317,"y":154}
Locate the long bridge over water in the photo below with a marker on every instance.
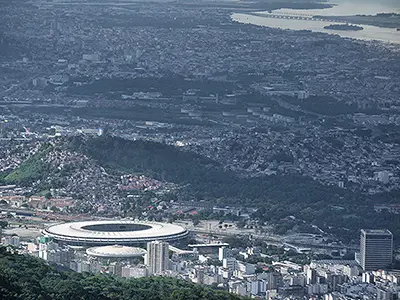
{"x":295,"y":16}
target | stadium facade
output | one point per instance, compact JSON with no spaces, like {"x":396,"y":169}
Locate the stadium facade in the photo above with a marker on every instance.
{"x":114,"y":232}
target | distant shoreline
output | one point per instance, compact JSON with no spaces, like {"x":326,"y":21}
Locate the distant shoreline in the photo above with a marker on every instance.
{"x":383,"y":20}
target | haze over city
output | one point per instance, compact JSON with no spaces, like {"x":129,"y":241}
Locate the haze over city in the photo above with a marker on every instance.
{"x":199,"y":149}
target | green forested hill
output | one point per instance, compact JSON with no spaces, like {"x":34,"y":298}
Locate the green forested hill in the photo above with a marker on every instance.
{"x":338,"y":211}
{"x":154,"y":159}
{"x":27,"y":278}
{"x":34,"y":168}
{"x":276,"y":197}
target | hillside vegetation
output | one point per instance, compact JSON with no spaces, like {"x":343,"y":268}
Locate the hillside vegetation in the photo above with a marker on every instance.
{"x":336,"y":210}
{"x":24,"y":277}
{"x":34,"y":168}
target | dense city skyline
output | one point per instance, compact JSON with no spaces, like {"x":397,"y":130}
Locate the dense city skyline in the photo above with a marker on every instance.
{"x":268,"y":158}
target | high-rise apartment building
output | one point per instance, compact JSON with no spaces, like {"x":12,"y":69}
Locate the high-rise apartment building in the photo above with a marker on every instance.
{"x":376,"y":249}
{"x":157,"y":257}
{"x":223,"y":252}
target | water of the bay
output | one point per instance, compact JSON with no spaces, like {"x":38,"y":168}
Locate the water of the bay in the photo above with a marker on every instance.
{"x":340,"y":8}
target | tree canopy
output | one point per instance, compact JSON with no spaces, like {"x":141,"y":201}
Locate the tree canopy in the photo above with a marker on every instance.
{"x":27,"y":278}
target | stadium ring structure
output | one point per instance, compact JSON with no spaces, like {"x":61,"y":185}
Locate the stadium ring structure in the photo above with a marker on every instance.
{"x":117,"y":232}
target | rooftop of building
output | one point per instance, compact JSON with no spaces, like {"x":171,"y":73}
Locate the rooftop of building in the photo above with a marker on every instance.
{"x":116,"y":251}
{"x":376,"y":231}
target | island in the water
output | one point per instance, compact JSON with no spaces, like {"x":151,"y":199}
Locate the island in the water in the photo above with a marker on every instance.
{"x":345,"y":27}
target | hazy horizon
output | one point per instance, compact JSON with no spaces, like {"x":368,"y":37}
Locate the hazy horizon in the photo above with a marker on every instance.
{"x":388,"y":3}
{"x":356,"y":7}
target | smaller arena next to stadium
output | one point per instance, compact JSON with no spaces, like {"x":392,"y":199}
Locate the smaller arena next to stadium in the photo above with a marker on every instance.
{"x":113,"y":232}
